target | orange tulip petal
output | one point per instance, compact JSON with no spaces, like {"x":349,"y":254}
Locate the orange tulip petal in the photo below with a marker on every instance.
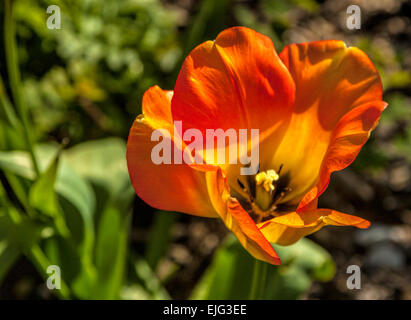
{"x":334,"y":85}
{"x":174,"y":187}
{"x":247,"y":233}
{"x":289,"y":228}
{"x":335,"y":218}
{"x":236,"y":218}
{"x":349,"y":136}
{"x":236,"y":81}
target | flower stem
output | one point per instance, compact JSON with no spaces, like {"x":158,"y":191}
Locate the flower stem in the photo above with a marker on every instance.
{"x":14,"y":78}
{"x":258,"y":281}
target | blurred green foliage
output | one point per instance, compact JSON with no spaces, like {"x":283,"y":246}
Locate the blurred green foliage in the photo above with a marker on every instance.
{"x":97,"y":65}
{"x":302,"y":263}
{"x":90,"y":250}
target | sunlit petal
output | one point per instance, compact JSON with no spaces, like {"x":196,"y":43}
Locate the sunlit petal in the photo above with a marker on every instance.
{"x":174,"y":187}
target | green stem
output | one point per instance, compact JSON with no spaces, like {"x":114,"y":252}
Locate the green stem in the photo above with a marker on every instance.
{"x":6,"y":109}
{"x":258,"y":281}
{"x":14,"y":78}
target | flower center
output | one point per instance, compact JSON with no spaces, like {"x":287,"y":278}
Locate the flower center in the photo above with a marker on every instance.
{"x":265,"y":188}
{"x":264,"y":192}
{"x":266,"y":179}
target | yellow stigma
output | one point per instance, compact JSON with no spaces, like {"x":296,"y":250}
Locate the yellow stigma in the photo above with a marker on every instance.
{"x":266,"y":179}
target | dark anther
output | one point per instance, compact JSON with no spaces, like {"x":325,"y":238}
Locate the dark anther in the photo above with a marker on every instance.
{"x":251,"y":185}
{"x":240,"y":184}
{"x":279,"y":169}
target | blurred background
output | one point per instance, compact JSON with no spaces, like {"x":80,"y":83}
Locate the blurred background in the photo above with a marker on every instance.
{"x":80,"y":89}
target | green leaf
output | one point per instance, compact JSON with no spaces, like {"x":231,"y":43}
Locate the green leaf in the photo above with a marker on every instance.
{"x":111,"y":253}
{"x":75,"y":253}
{"x":77,"y":271}
{"x":17,"y":162}
{"x":42,"y":195}
{"x":76,"y":199}
{"x":103,"y":162}
{"x":310,"y":257}
{"x":223,"y":280}
{"x":79,"y":206}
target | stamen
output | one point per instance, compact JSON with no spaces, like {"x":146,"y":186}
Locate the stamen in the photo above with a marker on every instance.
{"x":265,"y":182}
{"x":266,"y":179}
{"x":240,"y":184}
{"x":263,"y":192}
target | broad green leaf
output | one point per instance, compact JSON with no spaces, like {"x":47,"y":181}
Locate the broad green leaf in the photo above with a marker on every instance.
{"x":64,"y":254}
{"x":41,"y":263}
{"x":287,"y":283}
{"x":103,"y":162}
{"x":224,"y":279}
{"x":17,"y":162}
{"x":80,"y":202}
{"x":111,"y":253}
{"x":76,"y":198}
{"x":42,"y":196}
{"x":310,"y":257}
{"x":75,"y":254}
{"x":76,"y":270}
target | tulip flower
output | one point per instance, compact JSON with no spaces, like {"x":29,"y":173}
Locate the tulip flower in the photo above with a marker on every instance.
{"x":314,"y":105}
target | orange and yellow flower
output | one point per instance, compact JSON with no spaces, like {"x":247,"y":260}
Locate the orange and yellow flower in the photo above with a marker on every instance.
{"x":314,"y":104}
